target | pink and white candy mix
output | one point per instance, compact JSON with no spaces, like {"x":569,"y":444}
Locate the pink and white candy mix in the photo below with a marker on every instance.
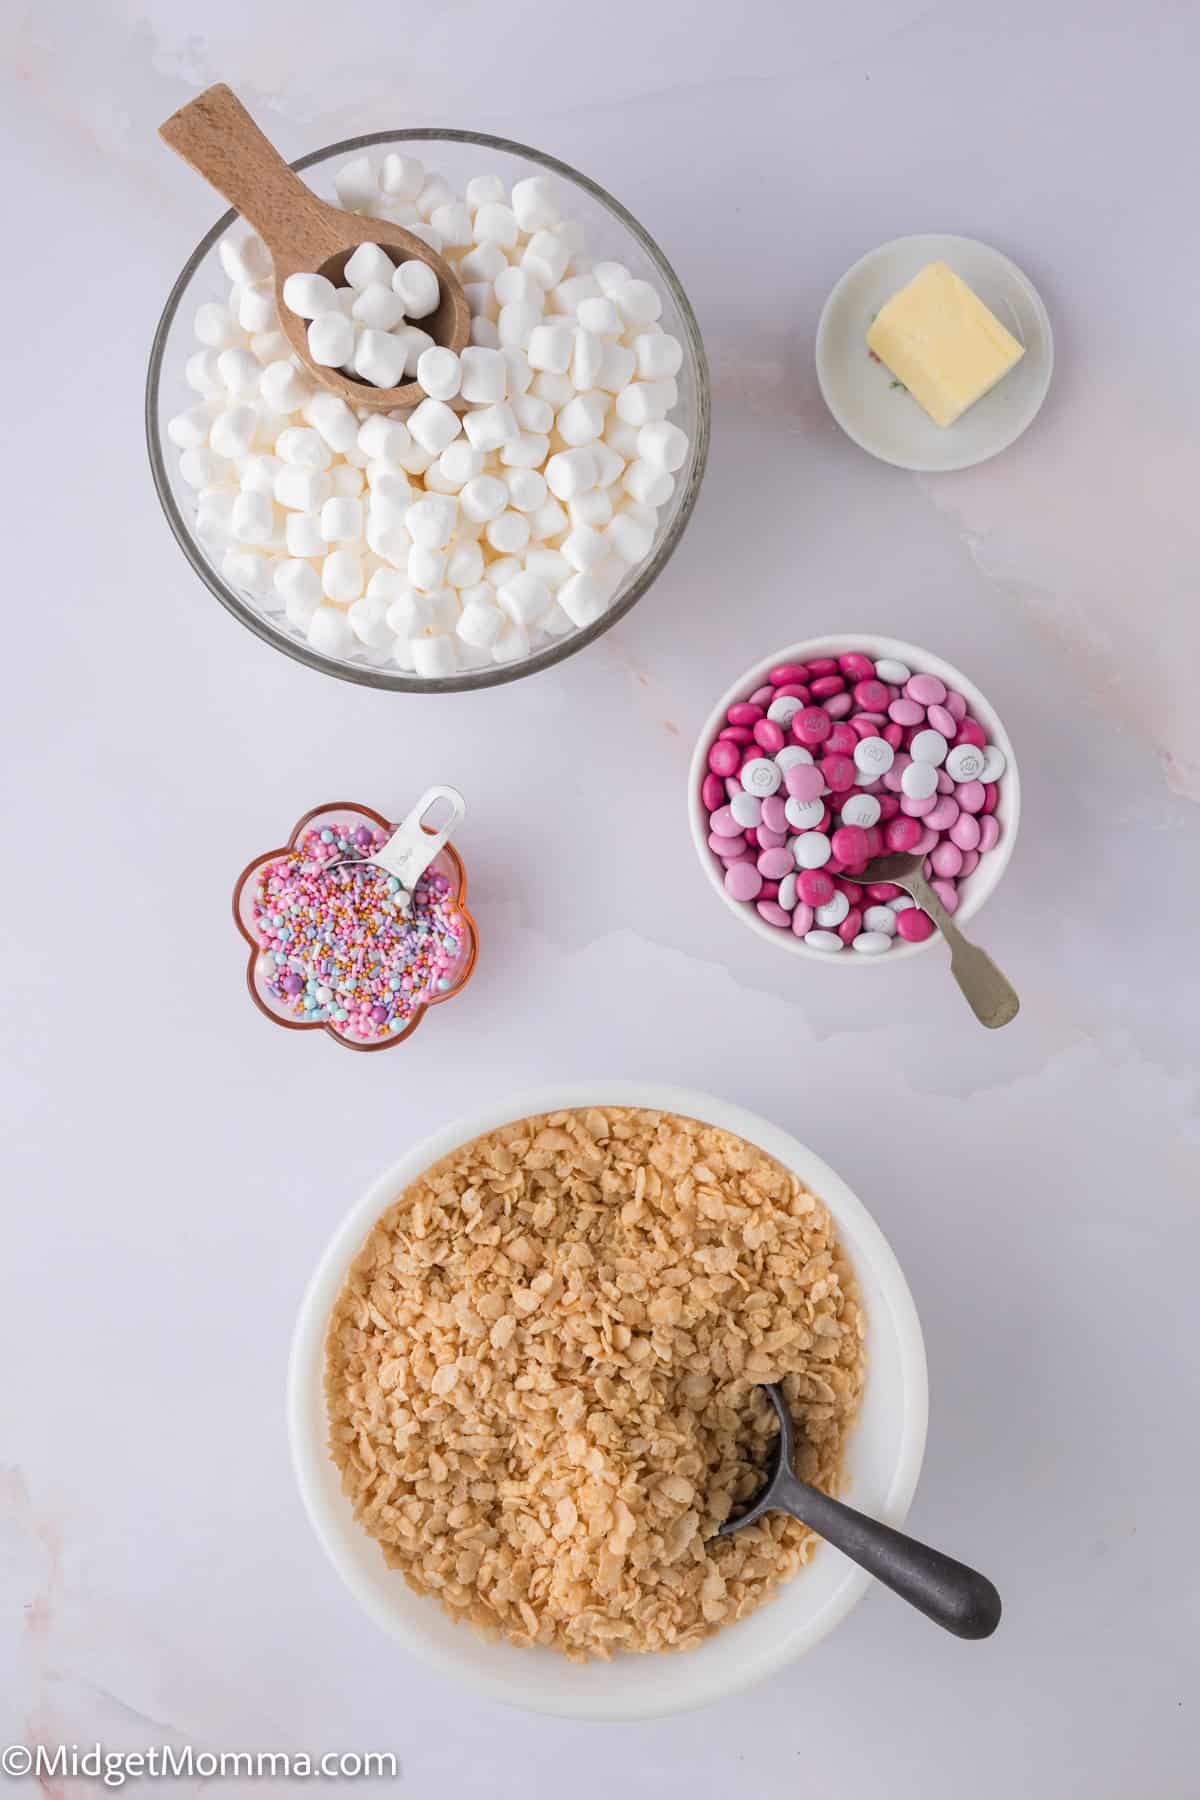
{"x":833,"y":762}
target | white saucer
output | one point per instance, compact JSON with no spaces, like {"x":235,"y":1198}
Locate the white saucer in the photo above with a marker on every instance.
{"x":886,"y":420}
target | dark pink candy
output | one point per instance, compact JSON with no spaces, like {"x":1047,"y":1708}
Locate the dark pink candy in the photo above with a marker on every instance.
{"x":893,"y":734}
{"x":851,"y":925}
{"x":803,"y":918}
{"x":882,"y":891}
{"x":762,"y":696}
{"x":769,"y":736}
{"x":737,"y":734}
{"x":723,"y":758}
{"x":970,"y":732}
{"x":823,"y":665}
{"x":850,"y":844}
{"x":913,"y":925}
{"x":826,"y":685}
{"x":871,"y":695}
{"x":991,"y":797}
{"x":745,"y":713}
{"x":815,"y":886}
{"x":785,"y":672}
{"x":794,"y":690}
{"x":856,"y":666}
{"x":811,"y":726}
{"x":902,"y":834}
{"x":712,"y":792}
{"x":842,"y":740}
{"x":839,"y":773}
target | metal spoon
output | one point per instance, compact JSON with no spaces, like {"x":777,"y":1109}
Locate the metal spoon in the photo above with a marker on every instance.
{"x":953,"y":1596}
{"x":217,"y":136}
{"x":990,"y":995}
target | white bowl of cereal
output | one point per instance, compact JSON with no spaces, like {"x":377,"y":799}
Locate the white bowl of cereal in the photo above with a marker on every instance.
{"x":548,"y":1451}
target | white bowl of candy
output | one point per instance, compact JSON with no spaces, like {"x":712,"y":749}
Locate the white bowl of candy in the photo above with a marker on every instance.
{"x":550,"y":517}
{"x":836,"y":750}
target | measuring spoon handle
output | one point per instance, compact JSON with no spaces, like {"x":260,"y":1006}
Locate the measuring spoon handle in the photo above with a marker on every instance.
{"x":216,"y":135}
{"x":989,"y":993}
{"x":957,"y":1598}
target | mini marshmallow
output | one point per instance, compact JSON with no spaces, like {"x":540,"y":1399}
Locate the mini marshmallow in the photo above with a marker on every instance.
{"x":481,"y":299}
{"x":490,"y":426}
{"x":532,"y":413}
{"x":663,"y":445}
{"x":283,"y":387}
{"x":250,"y":571}
{"x":382,"y":439}
{"x":435,"y":193}
{"x":555,"y":389}
{"x":329,"y":632}
{"x":303,"y":447}
{"x":342,"y":575}
{"x":587,"y":360}
{"x":402,"y":177}
{"x":568,"y":294}
{"x":232,"y":431}
{"x":464,"y":566}
{"x":240,"y":371}
{"x":642,"y":401}
{"x":637,"y":302}
{"x":620,"y":438}
{"x":550,"y":348}
{"x":600,"y":316}
{"x":302,"y":534}
{"x":245,"y":258}
{"x":581,"y":420}
{"x":517,"y":287}
{"x":535,"y":203}
{"x":301,"y":489}
{"x":571,"y":472}
{"x":659,"y":355}
{"x":256,"y":307}
{"x":501,"y":570}
{"x":380,"y":358}
{"x":520,"y":375}
{"x":453,"y":221}
{"x":593,"y":508}
{"x":202,"y":468}
{"x":486,"y":262}
{"x":485,"y":190}
{"x":550,"y":566}
{"x":627,"y":538}
{"x":389,"y":485}
{"x":647,"y":485}
{"x":512,"y":645}
{"x":344,"y":298}
{"x":546,"y":257}
{"x":584,"y":548}
{"x":190,"y":430}
{"x":496,"y":223}
{"x":308,"y":296}
{"x":484,"y":334}
{"x":253,"y":519}
{"x":609,"y":276}
{"x":439,"y":372}
{"x":416,"y":342}
{"x":331,"y":340}
{"x":617,"y":368}
{"x":270,"y":346}
{"x":584,"y":599}
{"x":367,"y":619}
{"x":431,"y":522}
{"x":529,"y":450}
{"x":346,"y":480}
{"x":378,"y":307}
{"x":341,"y":520}
{"x":299,"y":581}
{"x":257,"y":473}
{"x":329,"y":415}
{"x":427,"y":235}
{"x":555,"y":623}
{"x":426,"y":567}
{"x":480,"y":622}
{"x":483,"y":498}
{"x":527,"y":489}
{"x":417,"y":287}
{"x":507,"y":533}
{"x":549,"y":521}
{"x":460,"y":463}
{"x":433,"y":425}
{"x":203,"y":373}
{"x":516,"y":323}
{"x":355,"y":184}
{"x":484,"y":376}
{"x":216,"y":326}
{"x":434,"y":657}
{"x":524,"y":598}
{"x":609,"y":464}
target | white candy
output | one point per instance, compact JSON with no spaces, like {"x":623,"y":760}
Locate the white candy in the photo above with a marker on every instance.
{"x":663,"y":445}
{"x":430,"y":522}
{"x":550,"y":566}
{"x":621,"y":438}
{"x":879,"y":918}
{"x":496,"y":223}
{"x":402,"y":176}
{"x":535,"y":203}
{"x":584,"y":548}
{"x":343,"y":299}
{"x":871,"y":943}
{"x":434,"y":657}
{"x":517,"y":287}
{"x":244,"y":259}
{"x":966,"y":762}
{"x":642,"y":401}
{"x":609,"y":276}
{"x":439,"y":372}
{"x":190,"y":430}
{"x":528,"y":450}
{"x":301,"y":489}
{"x":659,"y":355}
{"x":994,"y":764}
{"x":305,"y":448}
{"x":331,"y":340}
{"x":608,"y":464}
{"x":203,"y":373}
{"x":464,"y":565}
{"x":484,"y":376}
{"x":416,"y":342}
{"x":384,"y":440}
{"x":378,"y":307}
{"x":270,"y":346}
{"x":593,"y":508}
{"x":283,"y":387}
{"x":584,"y":599}
{"x":486,"y":262}
{"x":257,"y":473}
{"x":617,"y":367}
{"x":546,"y":257}
{"x":232,"y":431}
{"x":329,"y":632}
{"x":526,"y":489}
{"x":367,"y":619}
{"x":550,"y":347}
{"x":299,"y":586}
{"x":833,"y":911}
{"x":928,"y":747}
{"x":355,"y":184}
{"x":427,"y":235}
{"x":556,"y":390}
{"x":888,"y":669}
{"x":480,"y":623}
{"x":524,"y":598}
{"x":507,"y":533}
{"x":533,"y":414}
{"x":501,"y":570}
{"x":308,"y":296}
{"x":860,"y":809}
{"x":253,"y":519}
{"x":570,"y":472}
{"x":517,"y":323}
{"x":919,"y":780}
{"x":647,"y":485}
{"x":347,"y":480}
{"x":203,"y":468}
{"x":483,"y":498}
{"x":435,"y":193}
{"x":453,"y":223}
{"x":302,"y":534}
{"x":460,"y":463}
{"x":216,"y":326}
{"x":434,"y":425}
{"x":417,"y":287}
{"x":485,"y":190}
{"x":628,"y":538}
{"x":341,"y":520}
{"x":426,"y":568}
{"x":587,"y":359}
{"x":581,"y":420}
{"x":598,"y":314}
{"x":636,"y":301}
{"x":380,"y":358}
{"x":249,"y":571}
{"x":548,"y":521}
{"x":811,"y":849}
{"x":512,"y":645}
{"x":335,"y":421}
{"x":829,"y":941}
{"x":568,"y":295}
{"x":240,"y":371}
{"x":490,"y":426}
{"x":256,"y":307}
{"x":342,"y":575}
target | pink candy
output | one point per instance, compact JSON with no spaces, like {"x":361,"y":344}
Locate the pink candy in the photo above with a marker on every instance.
{"x":775,"y":788}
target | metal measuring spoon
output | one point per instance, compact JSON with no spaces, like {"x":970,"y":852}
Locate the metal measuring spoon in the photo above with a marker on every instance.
{"x":989,"y":994}
{"x":953,"y":1596}
{"x":413,"y":845}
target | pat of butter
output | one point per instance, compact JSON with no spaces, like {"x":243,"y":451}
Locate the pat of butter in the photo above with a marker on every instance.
{"x":940,"y":340}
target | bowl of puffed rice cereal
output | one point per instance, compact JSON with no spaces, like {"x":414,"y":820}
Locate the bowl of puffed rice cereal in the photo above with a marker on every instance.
{"x":524,"y":1392}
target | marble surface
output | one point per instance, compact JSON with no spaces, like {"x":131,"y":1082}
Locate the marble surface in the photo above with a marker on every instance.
{"x":175,"y":1166}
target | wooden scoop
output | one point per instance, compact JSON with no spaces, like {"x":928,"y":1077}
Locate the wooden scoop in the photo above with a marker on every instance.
{"x":217,"y":136}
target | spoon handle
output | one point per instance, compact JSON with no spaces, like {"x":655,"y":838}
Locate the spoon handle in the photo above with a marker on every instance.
{"x":948,"y":1592}
{"x":989,"y":993}
{"x":216,"y":135}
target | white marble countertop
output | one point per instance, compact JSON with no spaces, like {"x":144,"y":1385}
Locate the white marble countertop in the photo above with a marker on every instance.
{"x":176,"y":1166}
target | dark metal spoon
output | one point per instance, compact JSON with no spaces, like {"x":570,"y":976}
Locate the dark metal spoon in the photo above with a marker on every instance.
{"x":989,"y":994}
{"x":953,"y":1596}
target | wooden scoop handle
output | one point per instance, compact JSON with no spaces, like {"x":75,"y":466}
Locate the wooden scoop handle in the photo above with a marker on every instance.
{"x":217,"y":136}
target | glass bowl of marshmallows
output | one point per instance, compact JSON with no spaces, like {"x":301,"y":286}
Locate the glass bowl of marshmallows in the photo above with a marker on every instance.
{"x":521,"y":509}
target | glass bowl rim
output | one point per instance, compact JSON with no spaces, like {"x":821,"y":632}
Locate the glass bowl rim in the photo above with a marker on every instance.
{"x":400,"y":681}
